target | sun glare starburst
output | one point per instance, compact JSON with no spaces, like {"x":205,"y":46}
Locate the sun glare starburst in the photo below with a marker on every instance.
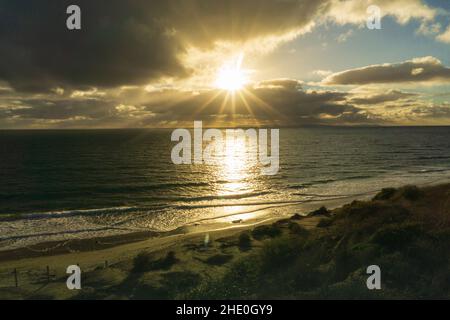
{"x":231,"y":76}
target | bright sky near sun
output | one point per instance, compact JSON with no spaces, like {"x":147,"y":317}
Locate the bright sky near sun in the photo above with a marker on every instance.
{"x":231,"y":76}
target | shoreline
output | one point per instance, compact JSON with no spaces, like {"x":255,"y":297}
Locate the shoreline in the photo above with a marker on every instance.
{"x":228,"y":224}
{"x":203,"y":262}
{"x":232,"y":222}
{"x":259,"y":212}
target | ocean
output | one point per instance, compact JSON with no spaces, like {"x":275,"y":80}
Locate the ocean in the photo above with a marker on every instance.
{"x":66,"y":184}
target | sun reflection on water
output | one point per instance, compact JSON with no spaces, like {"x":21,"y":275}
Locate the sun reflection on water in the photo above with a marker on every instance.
{"x":236,"y":167}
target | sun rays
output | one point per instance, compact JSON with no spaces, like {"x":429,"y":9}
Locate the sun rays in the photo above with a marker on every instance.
{"x":232,"y":98}
{"x":233,"y":95}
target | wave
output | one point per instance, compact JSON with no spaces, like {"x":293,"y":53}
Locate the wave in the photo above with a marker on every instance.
{"x":48,"y":234}
{"x":428,"y":170}
{"x":259,"y":203}
{"x":102,"y":189}
{"x":299,"y":186}
{"x":277,"y":204}
{"x":222,"y":197}
{"x":325,"y":181}
{"x":336,"y":196}
{"x":67,"y":213}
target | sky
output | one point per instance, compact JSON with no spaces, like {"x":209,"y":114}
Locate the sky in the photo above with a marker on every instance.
{"x":165,"y":64}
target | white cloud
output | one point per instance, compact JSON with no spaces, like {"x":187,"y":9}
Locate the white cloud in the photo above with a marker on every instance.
{"x":444,"y":37}
{"x":344,"y":36}
{"x":429,"y":28}
{"x":124,"y":108}
{"x":92,"y":93}
{"x":322,"y":73}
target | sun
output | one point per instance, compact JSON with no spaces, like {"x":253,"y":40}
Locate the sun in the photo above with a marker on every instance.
{"x":231,"y":77}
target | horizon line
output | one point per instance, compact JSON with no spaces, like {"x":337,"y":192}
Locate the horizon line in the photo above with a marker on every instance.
{"x":234,"y":127}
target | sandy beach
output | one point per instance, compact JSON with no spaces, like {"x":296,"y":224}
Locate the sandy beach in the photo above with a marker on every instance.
{"x":93,"y":254}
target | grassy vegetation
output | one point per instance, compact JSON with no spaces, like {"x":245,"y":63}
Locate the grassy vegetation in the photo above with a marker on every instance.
{"x":143,"y":262}
{"x":405,"y":231}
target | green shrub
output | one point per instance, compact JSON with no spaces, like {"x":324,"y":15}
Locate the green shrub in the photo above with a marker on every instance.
{"x":344,"y":263}
{"x":398,"y":270}
{"x":360,"y":210}
{"x":144,"y":291}
{"x":180,"y":281}
{"x":219,"y":259}
{"x":165,"y":263}
{"x":411,"y":193}
{"x":325,"y":222}
{"x":244,"y":241}
{"x":385,"y":194}
{"x":239,"y":282}
{"x":297,"y":229}
{"x":365,"y":252}
{"x":372,"y":213}
{"x":142,"y":262}
{"x":322,"y":211}
{"x":307,"y":276}
{"x":354,"y":286}
{"x":265,"y":231}
{"x":279,"y":252}
{"x":397,"y":236}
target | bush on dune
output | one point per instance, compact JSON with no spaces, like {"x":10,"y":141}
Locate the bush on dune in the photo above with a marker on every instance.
{"x":392,"y":237}
{"x":241,"y":281}
{"x":265,"y":231}
{"x":218,"y":259}
{"x":180,"y":281}
{"x":324,"y":222}
{"x":367,"y":217}
{"x":411,"y":193}
{"x":322,"y":211}
{"x":297,"y":229}
{"x":165,"y":263}
{"x":279,"y":252}
{"x":144,"y":262}
{"x":385,"y":194}
{"x":244,"y":241}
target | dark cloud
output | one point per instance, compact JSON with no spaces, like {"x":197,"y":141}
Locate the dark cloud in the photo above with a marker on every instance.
{"x":281,"y":83}
{"x":377,"y":98}
{"x":128,"y":42}
{"x":277,"y":102}
{"x":115,"y":46}
{"x":416,"y":70}
{"x":440,"y":111}
{"x":63,"y":109}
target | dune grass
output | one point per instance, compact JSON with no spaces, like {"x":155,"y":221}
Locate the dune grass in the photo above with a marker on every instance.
{"x":390,"y":231}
